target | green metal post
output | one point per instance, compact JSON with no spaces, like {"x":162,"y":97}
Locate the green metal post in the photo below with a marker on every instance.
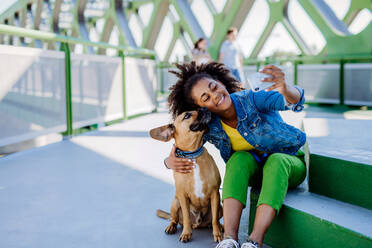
{"x":258,"y":66}
{"x":267,"y":60}
{"x":295,"y":74}
{"x":342,"y":82}
{"x":162,"y":91}
{"x":158,"y":80}
{"x":66,"y":49}
{"x":121,"y":54}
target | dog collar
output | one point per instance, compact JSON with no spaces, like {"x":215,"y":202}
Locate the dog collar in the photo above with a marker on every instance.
{"x":192,"y":155}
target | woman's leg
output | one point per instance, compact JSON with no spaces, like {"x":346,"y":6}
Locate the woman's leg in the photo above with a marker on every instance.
{"x":239,"y":170}
{"x":279,"y":172}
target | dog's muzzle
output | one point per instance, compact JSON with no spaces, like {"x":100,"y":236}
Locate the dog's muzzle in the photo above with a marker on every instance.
{"x":202,"y":121}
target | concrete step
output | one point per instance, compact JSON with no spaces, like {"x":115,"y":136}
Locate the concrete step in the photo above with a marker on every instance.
{"x":342,"y":180}
{"x":309,"y":220}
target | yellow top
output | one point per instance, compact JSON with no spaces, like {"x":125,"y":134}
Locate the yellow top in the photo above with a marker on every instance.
{"x":238,"y":143}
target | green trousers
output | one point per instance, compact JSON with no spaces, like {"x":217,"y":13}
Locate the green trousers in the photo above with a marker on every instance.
{"x":280,"y":172}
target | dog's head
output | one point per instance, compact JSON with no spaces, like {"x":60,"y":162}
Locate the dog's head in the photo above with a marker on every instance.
{"x":187,"y":128}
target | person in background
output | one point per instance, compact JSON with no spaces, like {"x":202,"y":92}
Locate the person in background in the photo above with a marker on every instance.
{"x":231,"y":55}
{"x":199,"y":53}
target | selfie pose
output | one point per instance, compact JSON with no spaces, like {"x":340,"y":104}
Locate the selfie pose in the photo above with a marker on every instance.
{"x":259,"y":148}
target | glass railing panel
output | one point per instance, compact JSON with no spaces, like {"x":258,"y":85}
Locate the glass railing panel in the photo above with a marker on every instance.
{"x":32,"y":93}
{"x":140,"y":85}
{"x":96,"y":89}
{"x":358,"y":84}
{"x":321,"y":82}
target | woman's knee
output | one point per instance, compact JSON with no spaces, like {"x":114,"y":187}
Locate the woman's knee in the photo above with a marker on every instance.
{"x":277,"y":162}
{"x":242,"y":161}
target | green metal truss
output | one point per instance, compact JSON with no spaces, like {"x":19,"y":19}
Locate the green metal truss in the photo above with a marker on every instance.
{"x":79,"y":18}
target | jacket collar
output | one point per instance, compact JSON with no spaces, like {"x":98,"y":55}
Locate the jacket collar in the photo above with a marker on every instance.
{"x":239,"y":105}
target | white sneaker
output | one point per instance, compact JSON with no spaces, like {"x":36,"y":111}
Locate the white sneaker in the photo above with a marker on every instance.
{"x":228,"y":243}
{"x":250,"y":244}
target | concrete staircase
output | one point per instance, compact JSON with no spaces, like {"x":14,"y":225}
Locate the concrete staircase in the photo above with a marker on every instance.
{"x":335,"y":212}
{"x":333,"y":208}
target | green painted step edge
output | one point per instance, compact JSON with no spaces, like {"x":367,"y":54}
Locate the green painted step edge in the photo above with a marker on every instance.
{"x":341,"y":180}
{"x":293,"y":228}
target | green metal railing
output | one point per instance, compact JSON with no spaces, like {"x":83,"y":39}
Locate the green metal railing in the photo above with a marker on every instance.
{"x":331,"y":59}
{"x":295,"y":61}
{"x":65,"y":43}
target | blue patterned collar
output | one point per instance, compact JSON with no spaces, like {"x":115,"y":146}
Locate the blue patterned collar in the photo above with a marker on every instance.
{"x":192,"y":155}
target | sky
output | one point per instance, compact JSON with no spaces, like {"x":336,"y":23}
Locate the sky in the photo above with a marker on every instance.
{"x":4,"y":4}
{"x":251,"y":29}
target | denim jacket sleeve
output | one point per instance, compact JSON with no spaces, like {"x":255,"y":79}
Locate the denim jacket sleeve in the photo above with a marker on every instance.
{"x":274,"y":101}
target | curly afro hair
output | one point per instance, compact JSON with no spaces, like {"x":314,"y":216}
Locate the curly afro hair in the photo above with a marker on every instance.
{"x":188,"y":75}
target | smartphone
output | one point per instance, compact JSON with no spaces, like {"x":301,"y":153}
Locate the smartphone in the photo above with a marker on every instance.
{"x":255,"y":81}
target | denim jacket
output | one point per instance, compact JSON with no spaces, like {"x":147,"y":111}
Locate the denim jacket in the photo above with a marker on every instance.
{"x":259,"y":123}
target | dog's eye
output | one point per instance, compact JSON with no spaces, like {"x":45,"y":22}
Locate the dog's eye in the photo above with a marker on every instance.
{"x":187,"y":116}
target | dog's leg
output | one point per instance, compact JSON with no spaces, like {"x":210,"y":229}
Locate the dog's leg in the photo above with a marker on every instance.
{"x":186,"y":231}
{"x":215,"y":205}
{"x":172,"y":227}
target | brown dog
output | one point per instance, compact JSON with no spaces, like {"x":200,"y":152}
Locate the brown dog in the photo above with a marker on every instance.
{"x":197,"y":199}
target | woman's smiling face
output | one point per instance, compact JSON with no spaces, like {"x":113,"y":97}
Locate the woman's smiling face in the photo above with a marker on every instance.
{"x":212,"y":94}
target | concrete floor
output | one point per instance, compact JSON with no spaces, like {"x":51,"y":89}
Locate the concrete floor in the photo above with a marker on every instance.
{"x":102,"y":189}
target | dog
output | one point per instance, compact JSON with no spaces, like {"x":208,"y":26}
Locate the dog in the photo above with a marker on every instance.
{"x":197,"y":200}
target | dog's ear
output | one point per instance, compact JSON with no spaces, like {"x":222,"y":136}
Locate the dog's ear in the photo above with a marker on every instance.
{"x":163,"y":133}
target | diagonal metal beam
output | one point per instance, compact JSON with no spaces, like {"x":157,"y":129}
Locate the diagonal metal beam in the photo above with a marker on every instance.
{"x":37,"y":16}
{"x":176,"y":33}
{"x":243,"y":11}
{"x":301,"y":44}
{"x":20,"y":21}
{"x":263,"y":38}
{"x":55,"y":15}
{"x":355,"y":7}
{"x":322,"y":24}
{"x":223,"y":21}
{"x":330,"y":17}
{"x":151,"y":32}
{"x":188,"y":20}
{"x":23,"y":17}
{"x":211,"y":7}
{"x":106,"y":33}
{"x":123,"y":24}
{"x":10,"y":21}
{"x":83,"y":30}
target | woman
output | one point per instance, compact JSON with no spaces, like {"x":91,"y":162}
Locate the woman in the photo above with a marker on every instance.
{"x":199,"y":53}
{"x":252,"y":138}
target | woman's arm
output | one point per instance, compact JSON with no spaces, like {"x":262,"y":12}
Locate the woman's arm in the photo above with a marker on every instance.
{"x":183,"y":165}
{"x":289,"y":95}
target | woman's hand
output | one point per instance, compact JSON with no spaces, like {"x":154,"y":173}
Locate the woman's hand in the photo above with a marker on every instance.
{"x":290,"y":93}
{"x":277,"y":77}
{"x":183,"y":165}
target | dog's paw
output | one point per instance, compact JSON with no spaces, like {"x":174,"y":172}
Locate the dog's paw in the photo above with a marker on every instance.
{"x":217,"y":233}
{"x":217,"y":237}
{"x":185,"y":237}
{"x":171,"y":229}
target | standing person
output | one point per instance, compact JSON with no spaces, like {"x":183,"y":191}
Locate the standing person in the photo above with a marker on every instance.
{"x":254,"y":141}
{"x":199,"y":53}
{"x":231,"y":55}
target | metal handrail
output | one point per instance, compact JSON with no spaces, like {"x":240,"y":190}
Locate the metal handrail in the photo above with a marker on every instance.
{"x":47,"y":36}
{"x":315,"y":59}
{"x":123,"y":51}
